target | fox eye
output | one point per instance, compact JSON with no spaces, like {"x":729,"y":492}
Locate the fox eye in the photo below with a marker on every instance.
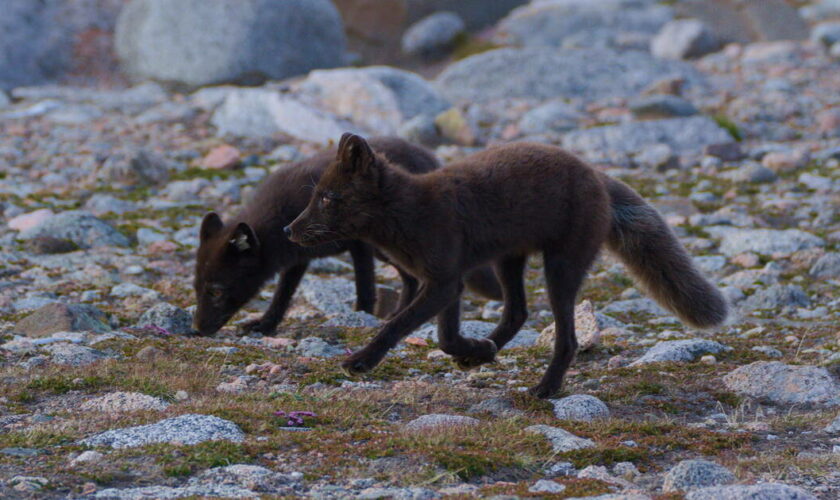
{"x":328,"y":197}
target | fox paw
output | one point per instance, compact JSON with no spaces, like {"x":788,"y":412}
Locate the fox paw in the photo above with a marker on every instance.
{"x":258,"y":326}
{"x":483,"y":351}
{"x":361,"y":362}
{"x":544,"y":391}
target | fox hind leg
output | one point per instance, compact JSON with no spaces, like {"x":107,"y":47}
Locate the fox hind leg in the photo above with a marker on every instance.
{"x":563,"y":277}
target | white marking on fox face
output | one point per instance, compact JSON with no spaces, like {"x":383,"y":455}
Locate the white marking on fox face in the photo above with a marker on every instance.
{"x":240,"y":242}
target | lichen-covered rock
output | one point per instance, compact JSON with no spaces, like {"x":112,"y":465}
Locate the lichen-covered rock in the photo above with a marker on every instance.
{"x":437,"y":420}
{"x":318,"y":347}
{"x":680,"y":350}
{"x":185,"y":429}
{"x":776,"y":297}
{"x":356,"y":319}
{"x":765,"y":491}
{"x":778,"y":383}
{"x":119,"y":402}
{"x":580,"y":407}
{"x":63,"y":353}
{"x":171,"y":318}
{"x":693,"y":474}
{"x":561,"y":440}
{"x":827,"y":266}
{"x":587,"y":330}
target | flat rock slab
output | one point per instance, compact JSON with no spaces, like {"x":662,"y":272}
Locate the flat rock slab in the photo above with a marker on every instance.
{"x":767,"y":491}
{"x":772,"y":242}
{"x":58,"y":317}
{"x":80,"y":227}
{"x":73,"y":355}
{"x":332,"y":296}
{"x":167,"y":492}
{"x":118,"y":402}
{"x":543,"y":73}
{"x":355,"y":319}
{"x":439,"y":420}
{"x":680,"y":350}
{"x":779,"y":383}
{"x":683,"y":135}
{"x":318,"y":347}
{"x":561,"y":440}
{"x":184,"y":430}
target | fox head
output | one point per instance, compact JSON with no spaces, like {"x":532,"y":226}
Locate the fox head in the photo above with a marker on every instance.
{"x":345,"y":199}
{"x":227,"y":272}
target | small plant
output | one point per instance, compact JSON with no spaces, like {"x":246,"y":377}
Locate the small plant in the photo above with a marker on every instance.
{"x":294,"y":418}
{"x":730,"y":126}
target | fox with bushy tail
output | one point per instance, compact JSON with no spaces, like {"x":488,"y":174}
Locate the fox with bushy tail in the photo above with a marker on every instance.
{"x":497,"y":207}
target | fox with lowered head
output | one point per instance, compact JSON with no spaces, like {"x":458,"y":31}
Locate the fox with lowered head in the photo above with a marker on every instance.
{"x":498,"y":206}
{"x":236,"y":258}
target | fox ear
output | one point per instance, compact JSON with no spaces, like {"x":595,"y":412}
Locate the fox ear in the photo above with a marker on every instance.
{"x":244,"y":239}
{"x":210,"y":226}
{"x":342,"y":142}
{"x":355,"y":154}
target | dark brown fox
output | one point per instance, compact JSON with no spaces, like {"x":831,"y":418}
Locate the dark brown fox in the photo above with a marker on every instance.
{"x":498,"y":206}
{"x":235,"y":259}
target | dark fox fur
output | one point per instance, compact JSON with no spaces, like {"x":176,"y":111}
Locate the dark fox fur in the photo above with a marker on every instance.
{"x":235,"y":259}
{"x":498,"y":206}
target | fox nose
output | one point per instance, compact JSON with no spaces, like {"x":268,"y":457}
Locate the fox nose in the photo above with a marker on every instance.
{"x":288,"y":231}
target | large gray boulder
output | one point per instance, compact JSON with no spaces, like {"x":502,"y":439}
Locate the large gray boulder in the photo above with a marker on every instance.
{"x":606,"y":23}
{"x":203,"y":42}
{"x":38,"y":39}
{"x":265,"y":112}
{"x":683,"y":39}
{"x":80,"y":227}
{"x":680,"y":134}
{"x":378,"y":98}
{"x":544,"y":73}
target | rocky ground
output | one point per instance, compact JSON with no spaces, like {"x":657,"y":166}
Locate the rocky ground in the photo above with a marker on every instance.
{"x":103,"y":394}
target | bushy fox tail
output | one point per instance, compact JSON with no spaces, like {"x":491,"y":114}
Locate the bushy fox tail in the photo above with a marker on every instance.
{"x":657,"y":260}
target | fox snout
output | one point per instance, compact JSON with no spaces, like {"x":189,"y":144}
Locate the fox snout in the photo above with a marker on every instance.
{"x":299,"y":231}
